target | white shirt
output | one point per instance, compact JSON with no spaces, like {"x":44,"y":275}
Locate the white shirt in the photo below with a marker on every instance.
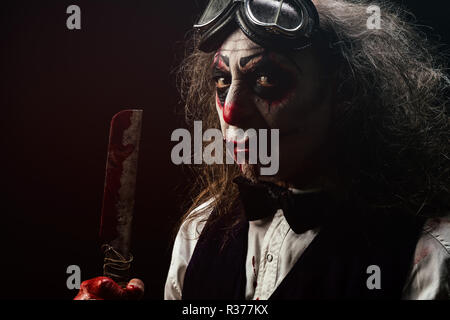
{"x":274,"y":248}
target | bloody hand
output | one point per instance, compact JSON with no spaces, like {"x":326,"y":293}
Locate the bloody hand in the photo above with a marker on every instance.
{"x":104,"y":288}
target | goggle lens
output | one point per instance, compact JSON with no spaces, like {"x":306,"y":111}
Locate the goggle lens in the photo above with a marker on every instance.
{"x":286,"y":14}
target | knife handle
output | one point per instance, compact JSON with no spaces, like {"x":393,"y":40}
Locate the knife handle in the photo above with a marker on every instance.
{"x":116,"y":266}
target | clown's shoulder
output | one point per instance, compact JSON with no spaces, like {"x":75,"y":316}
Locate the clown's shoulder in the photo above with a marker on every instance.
{"x":429,"y":278}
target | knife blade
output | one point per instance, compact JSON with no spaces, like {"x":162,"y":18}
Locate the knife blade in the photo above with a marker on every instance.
{"x":119,"y":194}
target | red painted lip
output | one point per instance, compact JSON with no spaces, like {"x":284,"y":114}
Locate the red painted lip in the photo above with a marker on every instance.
{"x":236,"y":150}
{"x":237,"y":144}
{"x":246,"y":154}
{"x":245,"y":141}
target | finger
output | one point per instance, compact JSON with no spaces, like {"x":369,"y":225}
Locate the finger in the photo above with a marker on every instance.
{"x":109,"y":289}
{"x":101,"y":287}
{"x":135,"y":289}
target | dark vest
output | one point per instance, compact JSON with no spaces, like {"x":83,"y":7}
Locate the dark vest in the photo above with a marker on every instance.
{"x":334,"y":266}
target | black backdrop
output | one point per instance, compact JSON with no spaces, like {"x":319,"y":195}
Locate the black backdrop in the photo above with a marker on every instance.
{"x":59,"y":89}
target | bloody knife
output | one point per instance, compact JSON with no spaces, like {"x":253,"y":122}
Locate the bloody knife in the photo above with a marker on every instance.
{"x":119,"y":194}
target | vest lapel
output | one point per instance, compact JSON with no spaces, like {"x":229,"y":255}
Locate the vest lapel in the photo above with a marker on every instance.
{"x":216,"y":271}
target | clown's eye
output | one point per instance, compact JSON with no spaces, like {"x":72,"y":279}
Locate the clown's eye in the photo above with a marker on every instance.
{"x":222,"y":82}
{"x":265,"y":81}
{"x":271,"y":85}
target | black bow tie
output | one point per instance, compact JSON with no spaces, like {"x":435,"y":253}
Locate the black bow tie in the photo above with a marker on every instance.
{"x":303,"y":211}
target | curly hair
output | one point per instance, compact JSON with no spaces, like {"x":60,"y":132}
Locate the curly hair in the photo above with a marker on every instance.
{"x":393,"y":122}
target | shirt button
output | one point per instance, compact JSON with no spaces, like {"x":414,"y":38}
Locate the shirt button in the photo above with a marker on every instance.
{"x":269,"y":257}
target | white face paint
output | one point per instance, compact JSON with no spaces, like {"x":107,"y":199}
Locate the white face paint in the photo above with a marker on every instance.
{"x":262,"y":89}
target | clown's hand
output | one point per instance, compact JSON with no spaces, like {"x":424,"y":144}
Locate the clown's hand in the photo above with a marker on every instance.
{"x":104,"y":288}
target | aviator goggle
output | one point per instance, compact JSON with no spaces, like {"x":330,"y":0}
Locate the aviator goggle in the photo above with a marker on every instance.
{"x":285,"y":24}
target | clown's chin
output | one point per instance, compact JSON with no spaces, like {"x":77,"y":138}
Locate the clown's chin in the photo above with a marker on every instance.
{"x":253,"y":173}
{"x":250,"y":171}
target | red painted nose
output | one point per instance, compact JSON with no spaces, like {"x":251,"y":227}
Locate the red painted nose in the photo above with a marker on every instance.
{"x":237,"y":110}
{"x":233,"y":114}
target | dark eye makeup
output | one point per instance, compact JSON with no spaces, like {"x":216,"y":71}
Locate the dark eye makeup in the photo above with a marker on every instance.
{"x":223,"y":81}
{"x":270,"y":81}
{"x":267,"y":79}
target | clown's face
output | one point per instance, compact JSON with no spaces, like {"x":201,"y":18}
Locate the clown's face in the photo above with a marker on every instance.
{"x":262,"y":89}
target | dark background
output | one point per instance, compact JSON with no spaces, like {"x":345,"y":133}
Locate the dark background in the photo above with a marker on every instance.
{"x":59,"y":90}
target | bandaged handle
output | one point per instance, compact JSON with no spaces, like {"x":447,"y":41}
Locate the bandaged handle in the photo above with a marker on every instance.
{"x":116,"y":266}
